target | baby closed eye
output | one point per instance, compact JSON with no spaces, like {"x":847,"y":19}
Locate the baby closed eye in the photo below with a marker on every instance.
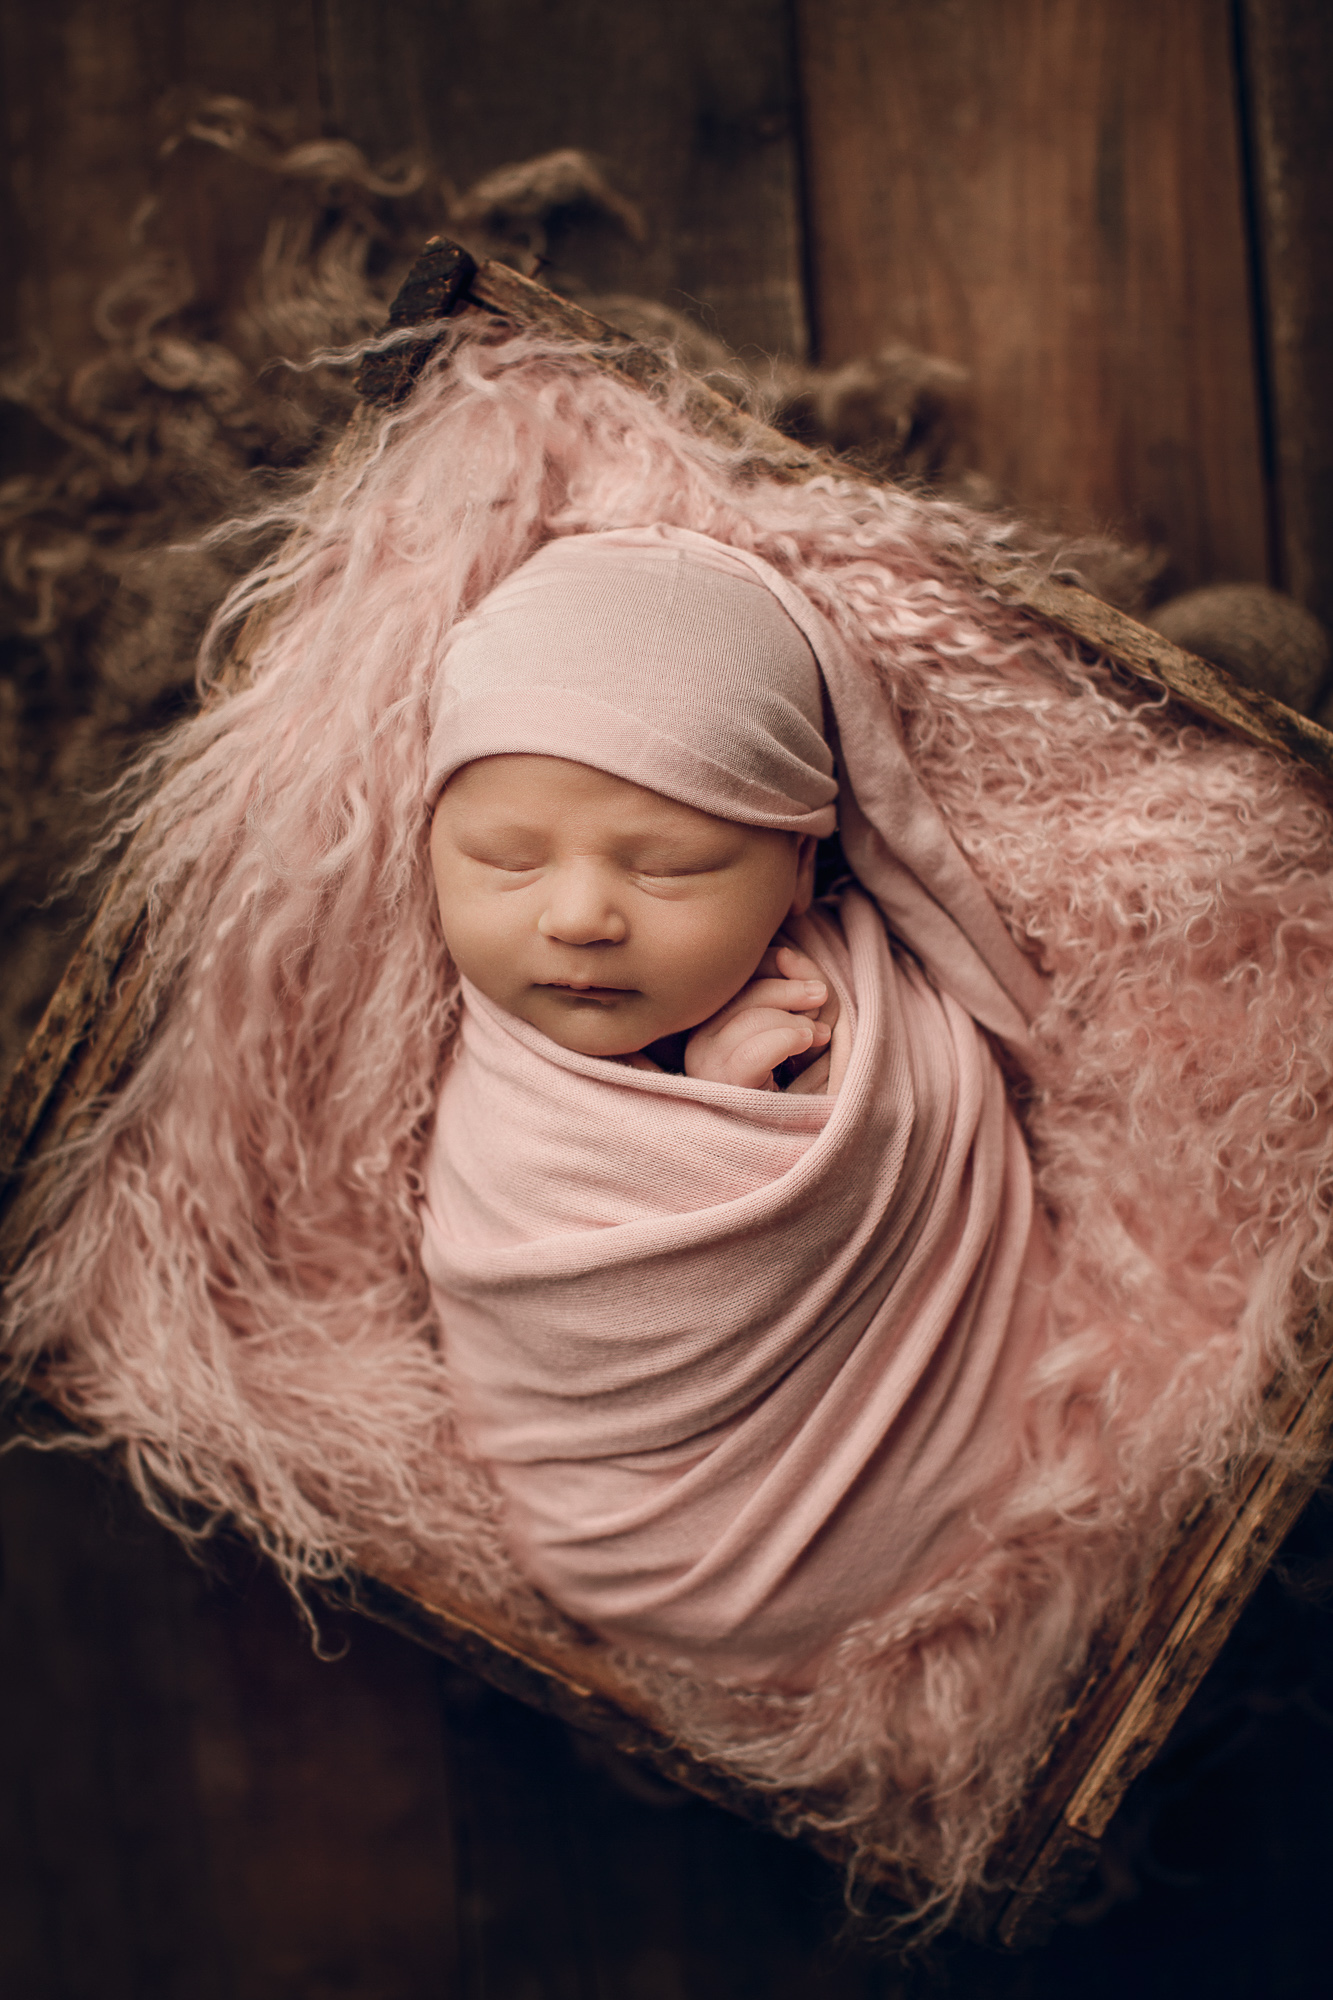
{"x":509,"y":857}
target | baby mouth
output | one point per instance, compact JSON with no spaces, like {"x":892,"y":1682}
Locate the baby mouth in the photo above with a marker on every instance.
{"x":586,"y":990}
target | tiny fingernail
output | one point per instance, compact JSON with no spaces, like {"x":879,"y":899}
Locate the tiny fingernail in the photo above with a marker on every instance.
{"x":813,"y":985}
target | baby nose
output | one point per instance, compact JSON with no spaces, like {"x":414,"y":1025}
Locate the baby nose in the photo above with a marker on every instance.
{"x":581,"y":908}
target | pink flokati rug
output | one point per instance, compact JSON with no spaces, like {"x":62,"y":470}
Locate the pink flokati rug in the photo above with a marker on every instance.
{"x":230,"y":1290}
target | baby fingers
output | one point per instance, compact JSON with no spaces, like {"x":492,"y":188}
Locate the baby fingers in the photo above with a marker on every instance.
{"x":784,"y":961}
{"x":794,"y":964}
{"x":791,"y":996}
{"x":747,"y":1048}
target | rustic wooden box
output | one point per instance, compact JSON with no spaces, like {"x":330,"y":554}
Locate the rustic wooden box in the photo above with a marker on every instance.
{"x":1141,"y":1674}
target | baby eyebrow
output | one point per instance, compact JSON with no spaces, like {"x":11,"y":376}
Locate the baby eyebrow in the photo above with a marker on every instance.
{"x":686,"y":847}
{"x":507,"y":834}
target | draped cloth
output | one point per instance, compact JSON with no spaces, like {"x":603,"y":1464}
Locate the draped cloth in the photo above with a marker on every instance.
{"x":747,"y":1365}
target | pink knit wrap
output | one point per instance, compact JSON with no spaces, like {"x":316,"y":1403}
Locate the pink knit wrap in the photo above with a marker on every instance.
{"x":746,"y":1365}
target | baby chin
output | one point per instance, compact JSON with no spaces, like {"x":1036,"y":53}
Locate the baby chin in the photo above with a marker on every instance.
{"x":593,"y":1020}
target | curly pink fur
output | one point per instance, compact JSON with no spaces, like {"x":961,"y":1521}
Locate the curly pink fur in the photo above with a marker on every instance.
{"x":228,"y":1288}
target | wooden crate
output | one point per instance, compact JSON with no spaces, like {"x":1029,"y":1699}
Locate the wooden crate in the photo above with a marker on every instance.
{"x":1142,"y":1673}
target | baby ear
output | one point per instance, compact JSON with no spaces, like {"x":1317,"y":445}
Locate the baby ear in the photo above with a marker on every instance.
{"x":805,"y":875}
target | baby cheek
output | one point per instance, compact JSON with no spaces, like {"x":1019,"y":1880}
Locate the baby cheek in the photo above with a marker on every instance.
{"x":477,"y":942}
{"x":713,"y":960}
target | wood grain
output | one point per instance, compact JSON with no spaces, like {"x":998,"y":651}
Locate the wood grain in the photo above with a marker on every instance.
{"x":194,"y":1806}
{"x":1050,"y":192}
{"x":690,"y":107}
{"x":1141,"y":1676}
{"x":88,"y":89}
{"x":1288,"y":52}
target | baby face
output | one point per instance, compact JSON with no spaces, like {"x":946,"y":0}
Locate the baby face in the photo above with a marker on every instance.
{"x":601,"y":913}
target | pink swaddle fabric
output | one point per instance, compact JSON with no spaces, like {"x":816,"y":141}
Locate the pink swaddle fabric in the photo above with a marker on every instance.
{"x":745,"y":1364}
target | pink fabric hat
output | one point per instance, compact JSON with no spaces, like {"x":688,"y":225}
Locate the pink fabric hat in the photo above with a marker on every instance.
{"x":699,"y":671}
{"x":630,"y":653}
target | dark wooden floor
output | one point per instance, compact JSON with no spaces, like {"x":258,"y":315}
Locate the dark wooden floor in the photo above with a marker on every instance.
{"x":193,"y":1806}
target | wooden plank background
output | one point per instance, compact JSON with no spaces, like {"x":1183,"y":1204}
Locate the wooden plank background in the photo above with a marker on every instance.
{"x":195,"y":1807}
{"x":692,"y":107}
{"x":1052,"y":194}
{"x":1074,"y":198}
{"x":1287,"y":52}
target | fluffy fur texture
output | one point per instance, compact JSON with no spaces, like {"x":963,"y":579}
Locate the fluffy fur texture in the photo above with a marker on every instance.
{"x":252,"y":253}
{"x":229,"y":1288}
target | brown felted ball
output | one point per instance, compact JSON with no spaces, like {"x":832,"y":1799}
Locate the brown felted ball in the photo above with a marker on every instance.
{"x":1266,"y":640}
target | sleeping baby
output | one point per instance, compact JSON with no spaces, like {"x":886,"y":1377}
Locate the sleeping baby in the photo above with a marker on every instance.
{"x":728,"y":1219}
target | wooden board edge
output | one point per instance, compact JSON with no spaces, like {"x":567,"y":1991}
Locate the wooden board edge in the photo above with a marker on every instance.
{"x":1175,"y":1666}
{"x":523,"y":302}
{"x":1204,"y":689}
{"x":584,"y":1696}
{"x":1197,"y":1634}
{"x":1118,"y":1653}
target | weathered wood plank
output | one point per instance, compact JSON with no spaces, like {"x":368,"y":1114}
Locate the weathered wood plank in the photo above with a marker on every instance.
{"x":1049,"y":192}
{"x":1135,"y":1690}
{"x":575,"y":1889}
{"x":85,"y":94}
{"x":1288,"y":52}
{"x":690,"y":107}
{"x":193,"y":1806}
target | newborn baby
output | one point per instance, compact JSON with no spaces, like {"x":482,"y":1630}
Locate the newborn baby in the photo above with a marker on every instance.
{"x":621,"y":923}
{"x":746,"y":1362}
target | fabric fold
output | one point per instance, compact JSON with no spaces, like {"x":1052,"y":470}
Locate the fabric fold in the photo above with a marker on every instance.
{"x":744,"y":1364}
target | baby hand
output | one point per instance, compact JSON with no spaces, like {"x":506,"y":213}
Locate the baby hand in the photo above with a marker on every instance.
{"x":766,"y":1024}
